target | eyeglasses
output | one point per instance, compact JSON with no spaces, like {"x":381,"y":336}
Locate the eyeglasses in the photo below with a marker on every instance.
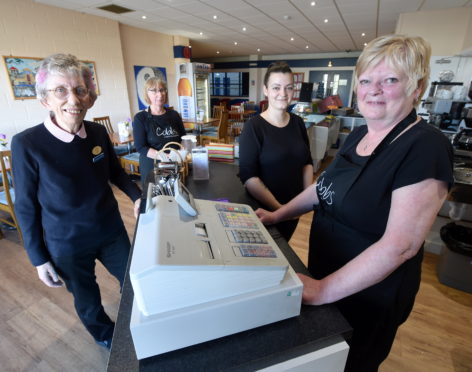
{"x":161,"y":90}
{"x":63,"y":93}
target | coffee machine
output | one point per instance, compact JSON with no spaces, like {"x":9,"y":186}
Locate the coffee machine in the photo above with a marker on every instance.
{"x":444,"y":112}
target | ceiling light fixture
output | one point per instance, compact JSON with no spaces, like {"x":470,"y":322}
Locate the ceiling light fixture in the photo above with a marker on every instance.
{"x":312,"y":3}
{"x":235,"y":43}
{"x":287,"y":17}
{"x":217,"y":52}
{"x":363,"y":34}
{"x":201,"y":33}
{"x":330,"y":64}
{"x":291,"y":39}
{"x":365,"y":44}
{"x":215,"y":16}
{"x":244,"y":28}
{"x":143,"y":17}
{"x":326,"y":20}
{"x":258,"y":49}
{"x":306,"y":47}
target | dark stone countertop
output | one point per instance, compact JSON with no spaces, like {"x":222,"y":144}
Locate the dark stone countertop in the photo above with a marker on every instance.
{"x":316,"y":327}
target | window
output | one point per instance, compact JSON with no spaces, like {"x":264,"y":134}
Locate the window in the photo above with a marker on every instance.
{"x":229,"y":84}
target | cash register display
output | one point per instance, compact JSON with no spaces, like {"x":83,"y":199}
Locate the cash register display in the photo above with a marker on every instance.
{"x":184,"y":198}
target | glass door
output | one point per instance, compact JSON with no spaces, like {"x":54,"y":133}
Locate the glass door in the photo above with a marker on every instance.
{"x":332,"y":82}
{"x":202,"y":95}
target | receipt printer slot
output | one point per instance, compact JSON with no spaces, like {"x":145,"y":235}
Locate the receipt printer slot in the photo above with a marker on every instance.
{"x":206,"y":250}
{"x":200,"y":230}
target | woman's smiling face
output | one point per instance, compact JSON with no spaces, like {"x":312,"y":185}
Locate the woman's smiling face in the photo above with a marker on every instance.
{"x":279,"y":90}
{"x":382,"y":94}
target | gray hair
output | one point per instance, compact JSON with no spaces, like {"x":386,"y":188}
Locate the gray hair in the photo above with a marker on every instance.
{"x":63,"y":64}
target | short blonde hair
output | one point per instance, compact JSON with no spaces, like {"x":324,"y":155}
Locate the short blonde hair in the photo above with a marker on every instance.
{"x":151,"y":83}
{"x":409,"y":55}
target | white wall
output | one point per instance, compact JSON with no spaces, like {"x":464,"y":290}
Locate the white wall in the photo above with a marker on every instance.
{"x":28,"y":29}
{"x":449,"y":33}
{"x":448,"y":30}
{"x":148,"y":48}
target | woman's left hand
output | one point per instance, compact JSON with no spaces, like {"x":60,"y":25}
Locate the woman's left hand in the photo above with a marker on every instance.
{"x":312,"y":290}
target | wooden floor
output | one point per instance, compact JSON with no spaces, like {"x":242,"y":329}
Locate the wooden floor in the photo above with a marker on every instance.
{"x":39,"y":330}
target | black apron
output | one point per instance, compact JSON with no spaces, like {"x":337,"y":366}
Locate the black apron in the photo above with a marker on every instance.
{"x":333,"y":243}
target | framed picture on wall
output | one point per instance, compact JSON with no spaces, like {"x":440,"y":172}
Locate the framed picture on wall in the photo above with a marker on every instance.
{"x":91,"y":66}
{"x":141,"y":74}
{"x":21,"y":73}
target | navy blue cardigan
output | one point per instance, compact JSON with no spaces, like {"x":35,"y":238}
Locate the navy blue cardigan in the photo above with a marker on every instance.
{"x":63,"y":199}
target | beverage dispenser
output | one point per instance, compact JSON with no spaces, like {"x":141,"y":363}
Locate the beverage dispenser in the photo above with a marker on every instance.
{"x":193,"y":89}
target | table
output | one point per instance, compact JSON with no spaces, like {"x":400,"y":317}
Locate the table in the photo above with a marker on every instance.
{"x":190,"y":125}
{"x":193,"y":127}
{"x":316,"y":328}
{"x":116,"y":139}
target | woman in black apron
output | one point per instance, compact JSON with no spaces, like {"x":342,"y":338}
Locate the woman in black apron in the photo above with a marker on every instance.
{"x":376,"y":202}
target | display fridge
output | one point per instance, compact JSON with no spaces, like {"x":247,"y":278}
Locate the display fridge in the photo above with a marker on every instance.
{"x":193,"y":88}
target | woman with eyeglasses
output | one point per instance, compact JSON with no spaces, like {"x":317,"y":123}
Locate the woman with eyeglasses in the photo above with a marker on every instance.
{"x":156,"y":126}
{"x":65,"y":206}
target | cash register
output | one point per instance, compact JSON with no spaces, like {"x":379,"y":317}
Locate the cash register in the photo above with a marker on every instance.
{"x":204,"y":269}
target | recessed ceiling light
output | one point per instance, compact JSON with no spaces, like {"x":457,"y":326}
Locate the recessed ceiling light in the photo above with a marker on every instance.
{"x":258,"y":49}
{"x":292,"y":39}
{"x":312,"y":3}
{"x":326,"y":20}
{"x":235,"y":43}
{"x":217,"y":52}
{"x":215,"y":16}
{"x":201,"y":33}
{"x":363,"y":34}
{"x":244,"y":28}
{"x":306,"y":47}
{"x":190,"y":46}
{"x":287,"y":17}
{"x":365,"y":44}
{"x":143,"y":17}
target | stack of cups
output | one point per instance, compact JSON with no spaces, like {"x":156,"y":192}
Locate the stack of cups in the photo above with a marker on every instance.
{"x":189,"y":142}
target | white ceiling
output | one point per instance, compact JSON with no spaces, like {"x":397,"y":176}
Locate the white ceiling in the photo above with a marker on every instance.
{"x":270,"y":24}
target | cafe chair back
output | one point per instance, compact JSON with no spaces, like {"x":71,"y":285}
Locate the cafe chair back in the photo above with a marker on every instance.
{"x":105,"y":121}
{"x":7,"y":194}
{"x":219,"y":134}
{"x":217,"y":110}
{"x":120,"y":150}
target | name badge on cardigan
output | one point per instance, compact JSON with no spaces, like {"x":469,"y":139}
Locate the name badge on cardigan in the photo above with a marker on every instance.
{"x":98,"y":157}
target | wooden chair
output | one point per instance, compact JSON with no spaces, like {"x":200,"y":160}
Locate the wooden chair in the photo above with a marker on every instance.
{"x":217,"y":110}
{"x":236,"y":120}
{"x":7,"y":195}
{"x":219,"y":134}
{"x":120,"y":150}
{"x":105,"y":121}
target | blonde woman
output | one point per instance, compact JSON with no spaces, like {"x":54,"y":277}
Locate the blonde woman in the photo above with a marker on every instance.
{"x":376,"y":202}
{"x":154,"y":127}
